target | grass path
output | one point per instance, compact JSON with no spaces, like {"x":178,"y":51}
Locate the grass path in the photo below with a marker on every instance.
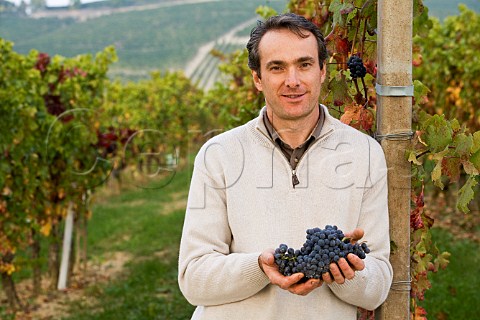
{"x":145,"y":224}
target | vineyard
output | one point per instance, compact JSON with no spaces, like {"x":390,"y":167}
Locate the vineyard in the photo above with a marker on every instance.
{"x":100,"y":167}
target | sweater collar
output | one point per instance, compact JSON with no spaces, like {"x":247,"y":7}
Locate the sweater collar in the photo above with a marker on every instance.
{"x":327,"y":128}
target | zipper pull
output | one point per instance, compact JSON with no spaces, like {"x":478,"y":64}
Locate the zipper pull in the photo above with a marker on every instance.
{"x":294,"y":179}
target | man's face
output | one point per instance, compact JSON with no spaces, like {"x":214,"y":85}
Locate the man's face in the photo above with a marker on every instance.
{"x":291,"y":77}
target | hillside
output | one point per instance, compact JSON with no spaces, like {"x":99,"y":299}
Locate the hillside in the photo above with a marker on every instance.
{"x":444,"y":8}
{"x":155,"y":35}
{"x":165,"y":37}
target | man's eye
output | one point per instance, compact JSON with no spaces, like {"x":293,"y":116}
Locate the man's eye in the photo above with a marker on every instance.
{"x":306,"y":65}
{"x":275,"y":68}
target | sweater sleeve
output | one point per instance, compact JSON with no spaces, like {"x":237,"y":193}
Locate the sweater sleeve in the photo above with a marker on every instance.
{"x":369,"y":288}
{"x":209,"y":274}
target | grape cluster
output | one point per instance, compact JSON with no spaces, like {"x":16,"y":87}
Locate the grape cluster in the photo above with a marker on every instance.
{"x":357,"y":69}
{"x":322,"y":247}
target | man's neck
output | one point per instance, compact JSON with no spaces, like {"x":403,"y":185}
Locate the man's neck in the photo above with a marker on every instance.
{"x":294,"y":132}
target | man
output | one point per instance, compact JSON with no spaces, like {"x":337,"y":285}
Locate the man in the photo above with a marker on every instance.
{"x":264,"y":183}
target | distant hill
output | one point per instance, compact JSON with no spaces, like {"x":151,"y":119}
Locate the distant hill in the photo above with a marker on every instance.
{"x":163,"y":37}
{"x":444,"y":8}
{"x":155,"y":35}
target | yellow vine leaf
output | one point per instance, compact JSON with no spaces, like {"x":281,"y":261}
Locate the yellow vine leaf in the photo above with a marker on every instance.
{"x":46,"y":228}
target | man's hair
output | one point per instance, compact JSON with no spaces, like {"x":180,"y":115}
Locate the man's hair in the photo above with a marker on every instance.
{"x":296,"y":24}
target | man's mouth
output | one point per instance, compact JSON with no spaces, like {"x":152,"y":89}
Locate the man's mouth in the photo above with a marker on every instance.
{"x":293,"y":96}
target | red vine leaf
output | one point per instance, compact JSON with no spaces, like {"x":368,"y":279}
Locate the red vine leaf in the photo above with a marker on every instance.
{"x":419,"y":313}
{"x":420,"y":285}
{"x":342,"y":46}
{"x":351,"y":115}
{"x":366,"y":119}
{"x":416,"y":221}
{"x":363,"y":314}
{"x":451,"y":167}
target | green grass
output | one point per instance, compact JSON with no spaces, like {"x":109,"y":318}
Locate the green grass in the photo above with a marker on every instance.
{"x":454,"y":292}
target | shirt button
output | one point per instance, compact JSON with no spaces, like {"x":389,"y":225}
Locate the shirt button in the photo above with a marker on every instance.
{"x":296,"y":159}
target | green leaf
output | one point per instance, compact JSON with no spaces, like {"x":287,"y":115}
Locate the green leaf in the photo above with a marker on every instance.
{"x":438,"y":133}
{"x":437,"y":171}
{"x":475,"y":160}
{"x":463,"y":144}
{"x":455,"y":125}
{"x":466,"y":194}
{"x":420,"y":91}
{"x":339,"y":87}
{"x":412,"y":157}
{"x":442,"y":260}
{"x":339,"y":8}
{"x":265,"y":12}
{"x":451,"y":167}
{"x":476,"y":142}
{"x":421,"y":23}
{"x":469,"y":168}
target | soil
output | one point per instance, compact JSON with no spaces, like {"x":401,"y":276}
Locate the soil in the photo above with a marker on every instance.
{"x":51,"y":305}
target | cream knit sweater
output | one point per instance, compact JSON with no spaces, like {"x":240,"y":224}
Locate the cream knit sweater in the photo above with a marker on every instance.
{"x":242,"y":202}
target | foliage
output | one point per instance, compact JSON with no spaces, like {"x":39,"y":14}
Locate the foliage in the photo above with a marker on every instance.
{"x":48,"y":158}
{"x":67,"y":128}
{"x":151,"y":119}
{"x":458,"y":94}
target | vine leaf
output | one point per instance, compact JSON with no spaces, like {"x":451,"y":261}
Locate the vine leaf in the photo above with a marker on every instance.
{"x":351,"y":114}
{"x":438,"y":133}
{"x":416,"y":221}
{"x":469,"y":168}
{"x":451,"y":167}
{"x":442,"y":260}
{"x":338,"y":8}
{"x":463,"y":144}
{"x":437,"y":171}
{"x":420,"y":285}
{"x":420,"y":313}
{"x":476,"y":142}
{"x":422,"y":24}
{"x":475,"y":160}
{"x":366,"y":119}
{"x":420,"y":92}
{"x":339,"y":87}
{"x":466,"y":194}
{"x":412,"y":157}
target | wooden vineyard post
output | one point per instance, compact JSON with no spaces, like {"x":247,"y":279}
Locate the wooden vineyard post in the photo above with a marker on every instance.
{"x":394,"y":125}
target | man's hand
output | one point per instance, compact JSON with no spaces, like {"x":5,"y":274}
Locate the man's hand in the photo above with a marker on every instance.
{"x":266,"y":262}
{"x":344,"y":269}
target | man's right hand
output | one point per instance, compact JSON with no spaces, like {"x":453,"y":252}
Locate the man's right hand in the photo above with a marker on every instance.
{"x":267,"y":263}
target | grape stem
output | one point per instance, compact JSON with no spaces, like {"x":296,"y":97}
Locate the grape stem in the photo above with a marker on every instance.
{"x":365,"y":89}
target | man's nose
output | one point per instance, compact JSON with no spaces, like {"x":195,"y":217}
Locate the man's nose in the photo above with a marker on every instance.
{"x":292,"y":80}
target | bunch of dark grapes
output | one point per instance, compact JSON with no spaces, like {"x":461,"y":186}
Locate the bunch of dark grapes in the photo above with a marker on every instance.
{"x":357,"y":69}
{"x":322,"y":247}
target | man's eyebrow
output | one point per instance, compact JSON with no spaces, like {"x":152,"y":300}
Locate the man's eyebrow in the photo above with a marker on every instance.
{"x":305,"y":59}
{"x":275,"y":63}
{"x":282,"y":63}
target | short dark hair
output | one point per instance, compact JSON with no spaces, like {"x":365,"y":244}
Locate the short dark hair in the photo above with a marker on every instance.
{"x":296,"y":24}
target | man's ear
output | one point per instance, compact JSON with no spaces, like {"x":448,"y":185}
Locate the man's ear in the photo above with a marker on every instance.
{"x":256,"y":80}
{"x":323,"y":73}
